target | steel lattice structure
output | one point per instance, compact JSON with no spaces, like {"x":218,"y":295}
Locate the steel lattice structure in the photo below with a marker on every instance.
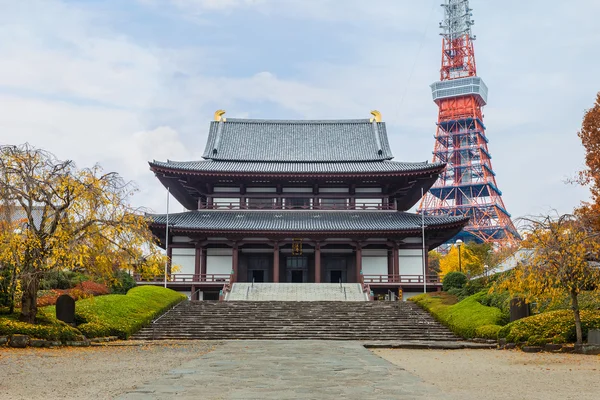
{"x":468,"y":185}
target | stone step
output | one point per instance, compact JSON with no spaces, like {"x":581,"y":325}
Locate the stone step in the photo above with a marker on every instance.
{"x":333,"y":320}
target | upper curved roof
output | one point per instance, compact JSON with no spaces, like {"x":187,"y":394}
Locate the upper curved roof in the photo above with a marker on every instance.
{"x":297,"y":141}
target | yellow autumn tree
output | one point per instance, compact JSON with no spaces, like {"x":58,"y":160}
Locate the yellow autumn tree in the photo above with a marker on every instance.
{"x":560,"y":263}
{"x":73,"y":219}
{"x":469,"y":264}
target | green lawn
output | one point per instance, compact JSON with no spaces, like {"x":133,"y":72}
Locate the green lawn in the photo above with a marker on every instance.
{"x":110,"y":315}
{"x":467,"y":318}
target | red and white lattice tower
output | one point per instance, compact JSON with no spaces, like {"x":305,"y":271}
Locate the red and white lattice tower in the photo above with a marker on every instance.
{"x":468,"y":185}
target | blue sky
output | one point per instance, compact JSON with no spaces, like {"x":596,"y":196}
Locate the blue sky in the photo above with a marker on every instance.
{"x":121,"y":82}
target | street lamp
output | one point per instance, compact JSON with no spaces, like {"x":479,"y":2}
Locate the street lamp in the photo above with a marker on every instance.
{"x":458,"y":244}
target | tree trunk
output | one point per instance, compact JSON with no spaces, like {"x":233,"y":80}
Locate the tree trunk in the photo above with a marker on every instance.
{"x":575,"y":308}
{"x":29,"y":298}
{"x":13,"y":289}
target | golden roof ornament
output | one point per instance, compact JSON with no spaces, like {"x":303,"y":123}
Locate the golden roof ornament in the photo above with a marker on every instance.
{"x":219,"y":115}
{"x":376,"y":116}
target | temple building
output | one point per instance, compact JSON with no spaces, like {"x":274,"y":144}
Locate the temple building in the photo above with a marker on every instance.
{"x":299,"y":201}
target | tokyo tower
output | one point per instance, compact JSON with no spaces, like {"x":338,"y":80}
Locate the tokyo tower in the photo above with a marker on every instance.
{"x":468,"y":185}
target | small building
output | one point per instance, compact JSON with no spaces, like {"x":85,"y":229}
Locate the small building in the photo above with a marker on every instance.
{"x":299,"y":201}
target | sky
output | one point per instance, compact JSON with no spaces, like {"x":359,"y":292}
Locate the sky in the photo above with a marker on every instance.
{"x":123,"y":82}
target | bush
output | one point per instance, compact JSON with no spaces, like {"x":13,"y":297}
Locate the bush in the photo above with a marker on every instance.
{"x":48,"y":331}
{"x":123,"y":283}
{"x":549,"y":327}
{"x":62,"y":280}
{"x":122,"y":315}
{"x":454,"y":280}
{"x":488,"y":331}
{"x":80,"y":291}
{"x":462,"y":318}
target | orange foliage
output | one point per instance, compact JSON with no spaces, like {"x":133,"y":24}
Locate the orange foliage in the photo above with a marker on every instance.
{"x":81,"y":291}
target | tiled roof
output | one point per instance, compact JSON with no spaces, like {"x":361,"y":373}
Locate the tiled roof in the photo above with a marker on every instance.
{"x":296,"y":167}
{"x":302,"y":221}
{"x":282,"y":140}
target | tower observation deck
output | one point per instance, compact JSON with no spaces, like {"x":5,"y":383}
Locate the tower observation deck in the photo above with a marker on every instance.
{"x":468,"y":186}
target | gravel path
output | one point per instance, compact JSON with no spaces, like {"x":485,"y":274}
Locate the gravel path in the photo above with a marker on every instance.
{"x":292,"y":369}
{"x":499,"y":375}
{"x":89,"y":372}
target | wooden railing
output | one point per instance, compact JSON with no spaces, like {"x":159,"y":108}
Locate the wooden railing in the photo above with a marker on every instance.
{"x":242,"y":206}
{"x":399,"y":279}
{"x":182,"y":278}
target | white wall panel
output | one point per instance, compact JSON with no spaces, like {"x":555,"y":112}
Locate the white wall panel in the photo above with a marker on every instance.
{"x":410,"y":261}
{"x":375,"y":265}
{"x":185,"y":259}
{"x":218,"y":264}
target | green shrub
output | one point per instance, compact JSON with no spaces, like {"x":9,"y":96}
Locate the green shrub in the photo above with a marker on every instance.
{"x":454,"y":280}
{"x":487,"y":331}
{"x":123,"y":283}
{"x":549,"y":327}
{"x":53,"y":331}
{"x":122,"y":315}
{"x":462,"y":318}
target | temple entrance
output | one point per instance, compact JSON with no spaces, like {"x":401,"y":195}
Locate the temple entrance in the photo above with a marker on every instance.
{"x":296,"y":269}
{"x":336,"y":276}
{"x":336,"y":269}
{"x":297,"y":276}
{"x":259,"y":267}
{"x":258,"y":276}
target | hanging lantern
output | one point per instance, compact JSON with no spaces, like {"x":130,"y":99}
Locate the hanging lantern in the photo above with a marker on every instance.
{"x":297,"y":247}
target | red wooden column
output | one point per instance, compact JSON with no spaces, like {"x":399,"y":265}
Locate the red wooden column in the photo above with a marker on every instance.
{"x":170,"y":257}
{"x":198,"y":262}
{"x":318,"y":262}
{"x":276,"y":263}
{"x":234,"y":262}
{"x":358,"y":262}
{"x":390,"y":257}
{"x":396,"y":262}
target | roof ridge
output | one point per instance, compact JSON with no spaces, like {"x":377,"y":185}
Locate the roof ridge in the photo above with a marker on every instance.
{"x":298,"y":121}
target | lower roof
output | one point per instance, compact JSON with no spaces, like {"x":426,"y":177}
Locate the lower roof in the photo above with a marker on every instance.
{"x":303,"y":221}
{"x":296,"y":167}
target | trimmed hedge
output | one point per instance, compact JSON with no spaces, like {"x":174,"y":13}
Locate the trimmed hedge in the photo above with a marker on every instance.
{"x":55,"y":330}
{"x":468,"y":318}
{"x":122,"y":315}
{"x":549,"y":327}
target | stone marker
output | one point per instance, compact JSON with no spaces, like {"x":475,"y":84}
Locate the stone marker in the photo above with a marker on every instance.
{"x":65,"y":309}
{"x":518,"y":309}
{"x":594,"y":337}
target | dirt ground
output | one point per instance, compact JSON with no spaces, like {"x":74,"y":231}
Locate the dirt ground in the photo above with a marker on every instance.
{"x":503,"y":374}
{"x":88,"y":372}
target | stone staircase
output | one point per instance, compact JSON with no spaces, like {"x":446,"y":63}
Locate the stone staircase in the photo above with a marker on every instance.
{"x":334,"y":320}
{"x":296,"y":292}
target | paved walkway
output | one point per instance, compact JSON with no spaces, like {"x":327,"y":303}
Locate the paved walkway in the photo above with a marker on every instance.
{"x":287,"y":370}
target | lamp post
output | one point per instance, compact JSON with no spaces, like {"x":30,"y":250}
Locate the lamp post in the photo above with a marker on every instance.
{"x":458,"y":245}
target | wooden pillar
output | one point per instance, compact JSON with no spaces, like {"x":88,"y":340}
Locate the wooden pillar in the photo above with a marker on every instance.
{"x":276,"y":263}
{"x":198,"y":263}
{"x":203,"y":263}
{"x":358,"y":262}
{"x":396,"y":262}
{"x":317,"y":262}
{"x":390,"y":259}
{"x":234,"y":262}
